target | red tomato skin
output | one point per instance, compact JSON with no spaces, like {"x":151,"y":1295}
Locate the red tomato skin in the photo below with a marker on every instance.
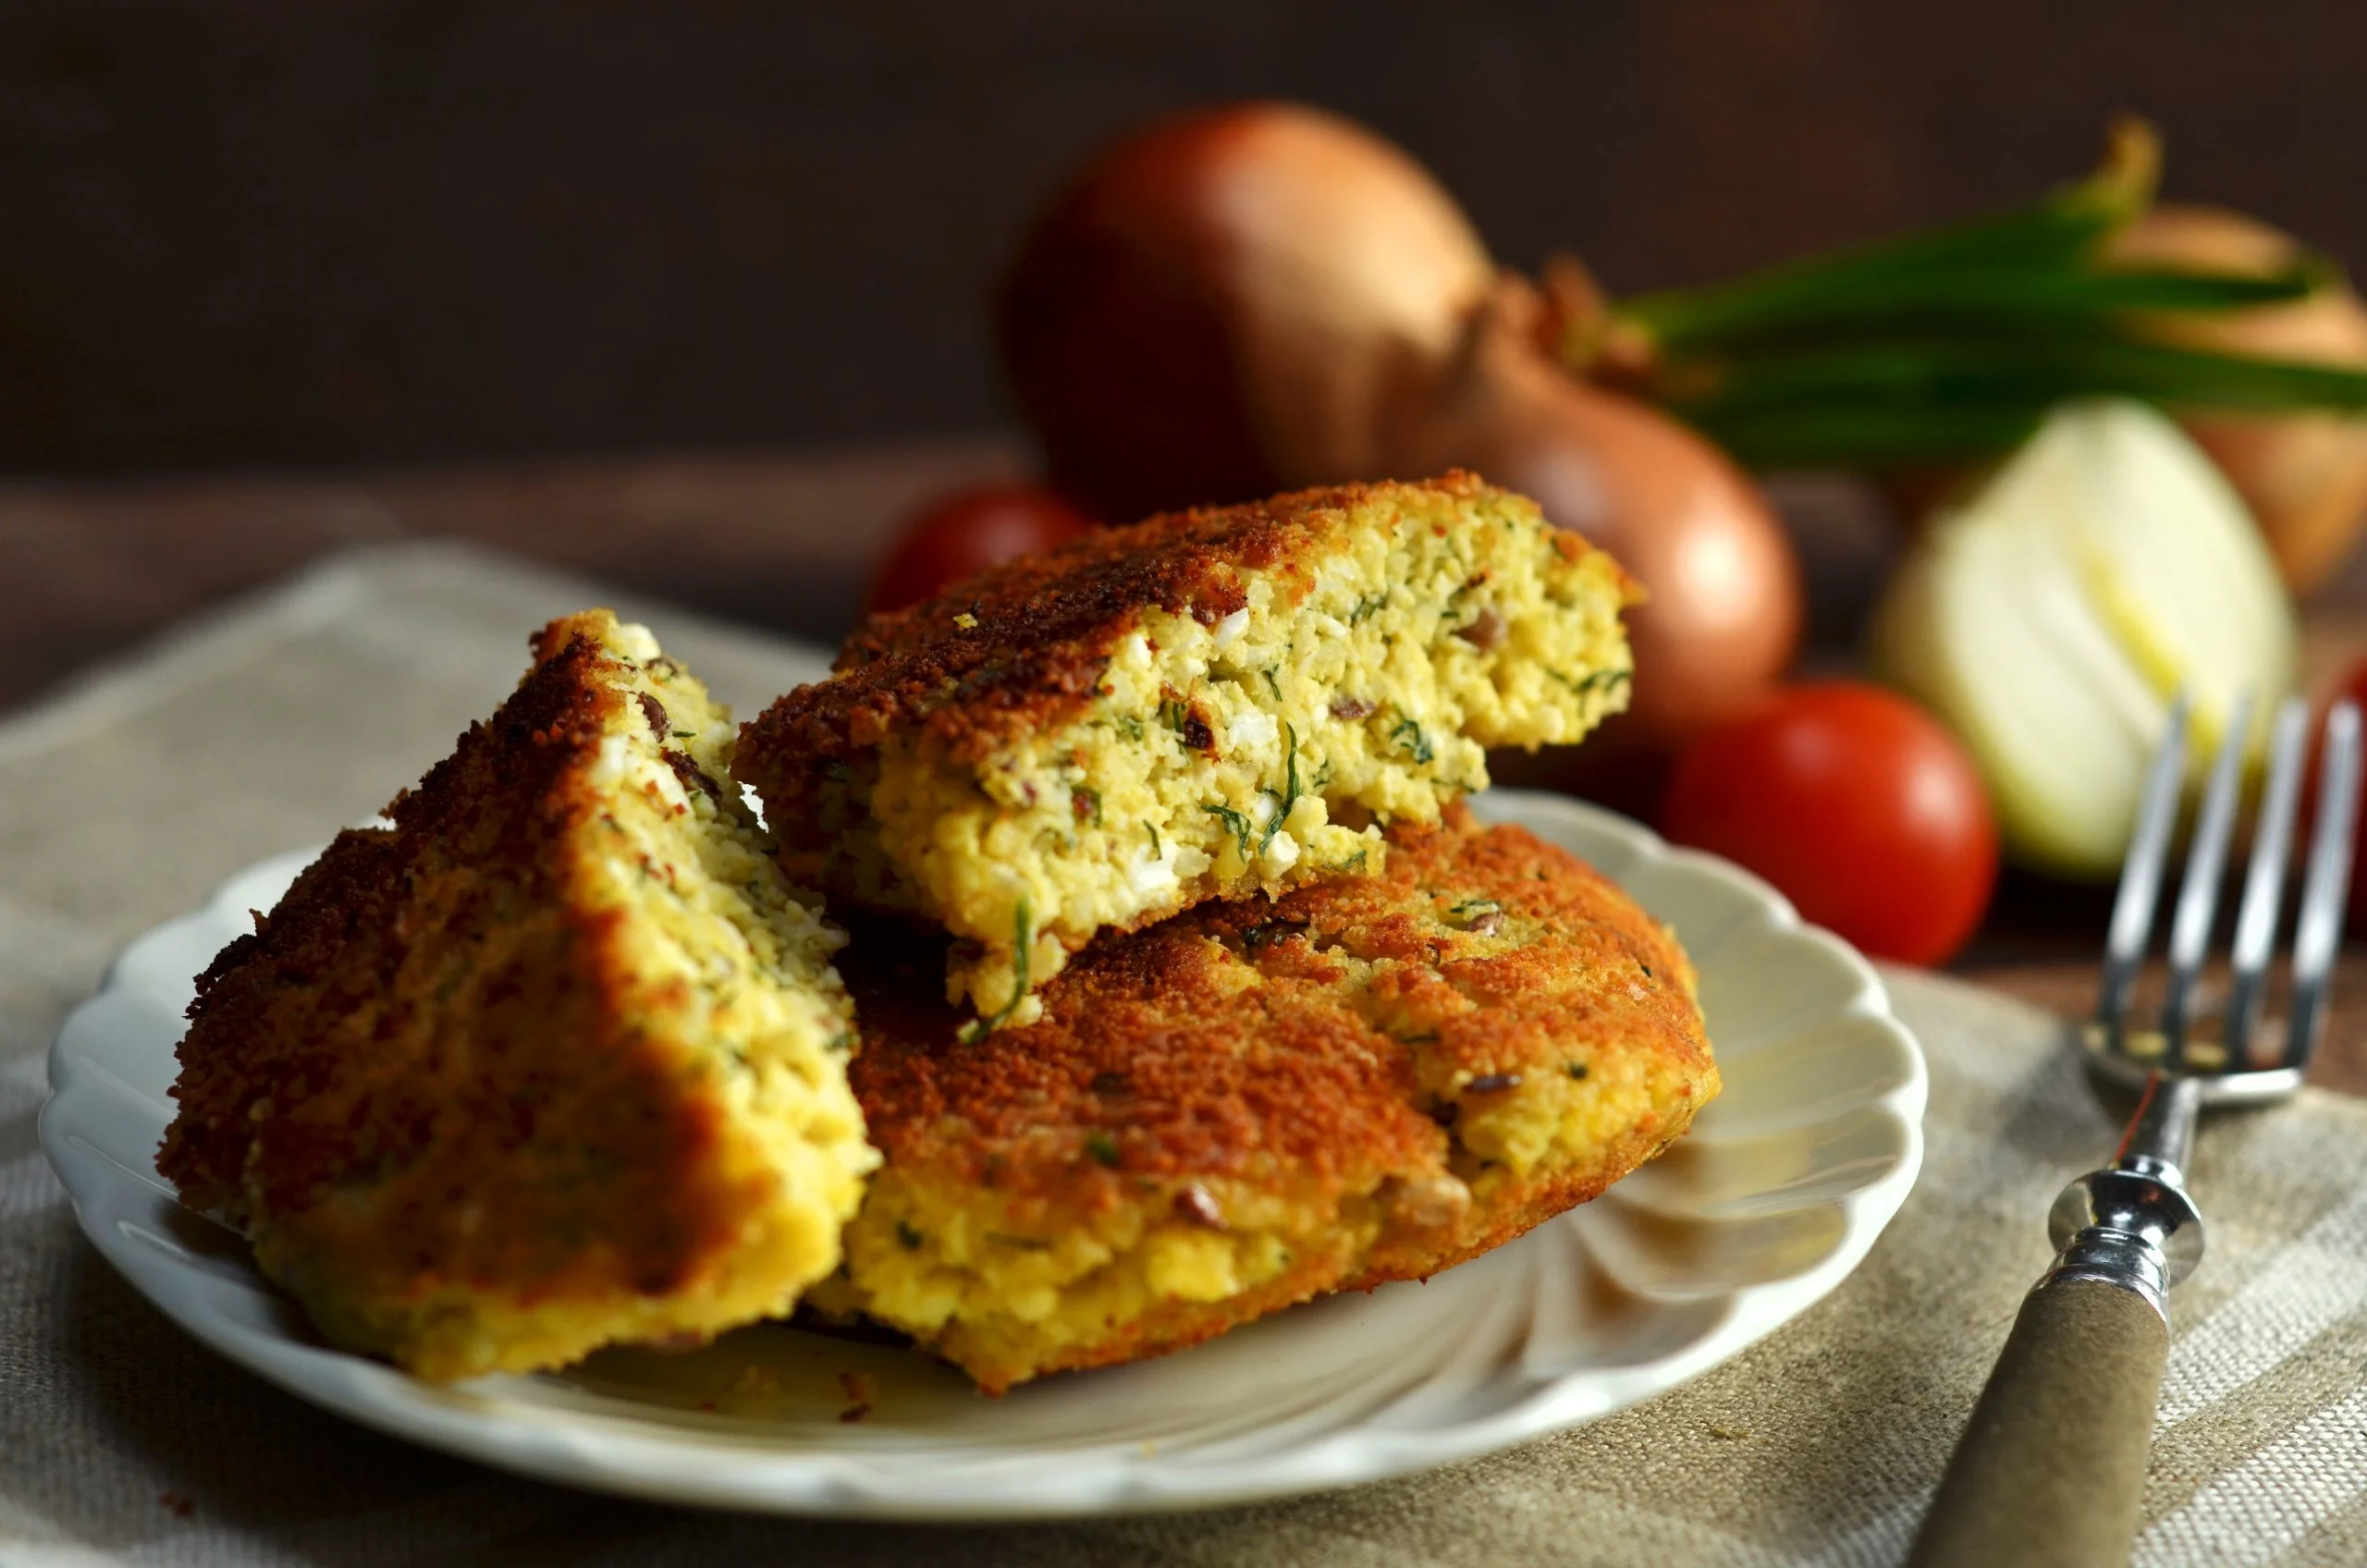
{"x":962,"y":534}
{"x":1858,"y":806}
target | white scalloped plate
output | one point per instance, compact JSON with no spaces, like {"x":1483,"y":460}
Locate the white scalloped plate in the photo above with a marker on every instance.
{"x":1782,"y":1186}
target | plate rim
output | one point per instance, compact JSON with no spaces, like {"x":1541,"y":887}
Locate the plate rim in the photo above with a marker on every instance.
{"x":615,"y":1453}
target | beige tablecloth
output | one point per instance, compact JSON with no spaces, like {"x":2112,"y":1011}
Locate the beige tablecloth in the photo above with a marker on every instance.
{"x":123,"y":801}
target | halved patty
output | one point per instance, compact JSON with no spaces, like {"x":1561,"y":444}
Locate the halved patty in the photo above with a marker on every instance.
{"x":1257,"y":1101}
{"x":557,"y":1060}
{"x":1209,"y":704}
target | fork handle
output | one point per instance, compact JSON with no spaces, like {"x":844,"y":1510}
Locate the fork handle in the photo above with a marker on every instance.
{"x":2051,"y":1469}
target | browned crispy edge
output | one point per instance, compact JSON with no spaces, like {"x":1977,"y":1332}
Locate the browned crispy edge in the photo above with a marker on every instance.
{"x":586,"y":1157}
{"x":1144,"y":1077}
{"x":1045,"y":628}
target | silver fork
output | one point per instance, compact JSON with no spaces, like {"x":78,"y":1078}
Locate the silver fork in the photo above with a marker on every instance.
{"x":2049,"y":1470}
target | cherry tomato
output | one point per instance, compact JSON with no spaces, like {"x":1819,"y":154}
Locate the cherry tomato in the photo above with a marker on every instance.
{"x":1856,"y":805}
{"x":966,"y":532}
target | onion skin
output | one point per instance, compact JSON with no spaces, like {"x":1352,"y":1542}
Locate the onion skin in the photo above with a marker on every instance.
{"x":1224,"y":305}
{"x":1266,"y":297}
{"x":1724,"y":615}
{"x":1724,"y":618}
{"x":2304,"y":476}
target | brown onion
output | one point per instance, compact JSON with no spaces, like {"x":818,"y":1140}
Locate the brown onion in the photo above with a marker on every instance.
{"x":1726,"y":608}
{"x":1266,"y":297}
{"x":1224,"y":304}
{"x":2304,"y":476}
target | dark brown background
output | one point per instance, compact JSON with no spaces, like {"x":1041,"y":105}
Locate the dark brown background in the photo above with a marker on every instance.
{"x":298,"y":232}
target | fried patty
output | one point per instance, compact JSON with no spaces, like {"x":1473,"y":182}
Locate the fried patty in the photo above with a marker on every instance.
{"x":1209,"y":704}
{"x":559,"y":1060}
{"x":1368,"y":1079}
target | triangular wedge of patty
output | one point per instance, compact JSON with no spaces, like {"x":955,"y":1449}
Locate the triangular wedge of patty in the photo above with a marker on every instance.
{"x":1368,"y":1079}
{"x":1212,"y":704}
{"x":557,"y":1061}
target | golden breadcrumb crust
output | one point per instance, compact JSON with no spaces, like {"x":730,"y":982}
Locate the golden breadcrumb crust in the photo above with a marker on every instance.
{"x":473,"y":1087}
{"x":1257,"y":1101}
{"x":1043,"y":628}
{"x":1209,"y":704}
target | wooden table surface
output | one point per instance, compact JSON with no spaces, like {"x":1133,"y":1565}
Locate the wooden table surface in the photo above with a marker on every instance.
{"x":787,"y":542}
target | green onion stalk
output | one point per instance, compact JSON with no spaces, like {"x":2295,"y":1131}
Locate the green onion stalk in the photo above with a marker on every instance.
{"x":1949,"y":344}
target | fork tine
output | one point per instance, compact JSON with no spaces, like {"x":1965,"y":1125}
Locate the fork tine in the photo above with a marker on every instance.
{"x":2318,"y":928}
{"x":2140,"y":874}
{"x":2264,"y":879}
{"x":2206,"y":863}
